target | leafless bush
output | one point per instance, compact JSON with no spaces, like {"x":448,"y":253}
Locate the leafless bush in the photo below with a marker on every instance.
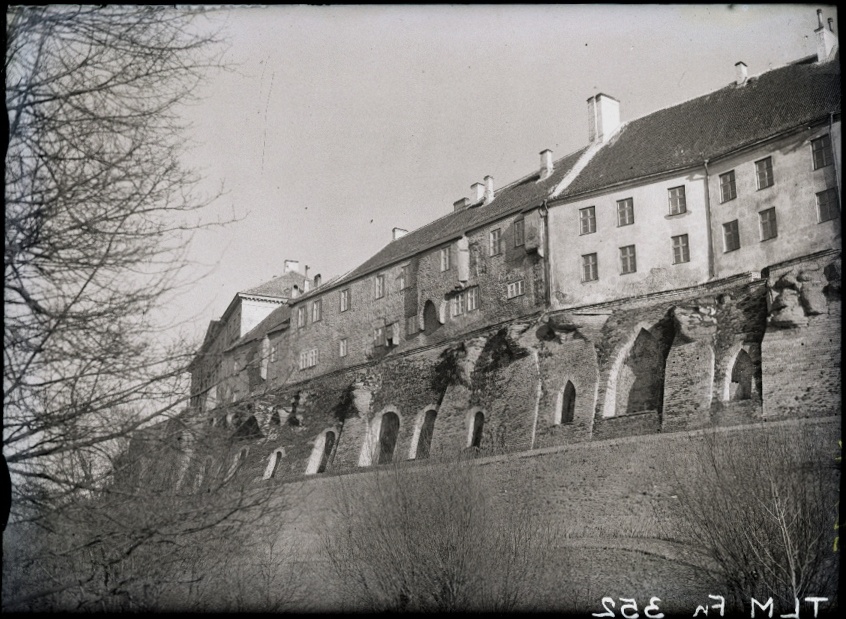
{"x":435,"y":537}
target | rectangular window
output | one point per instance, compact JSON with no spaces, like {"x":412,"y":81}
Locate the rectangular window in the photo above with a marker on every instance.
{"x":827,"y":207}
{"x":628,"y":260}
{"x":274,"y":351}
{"x":495,"y":245}
{"x":587,"y":220}
{"x":444,"y":259}
{"x":515,"y":289}
{"x":317,"y":310}
{"x":380,"y":286}
{"x":769,"y":228}
{"x":457,"y":304}
{"x":392,"y":334}
{"x":764,"y":172}
{"x":590,"y":268}
{"x":731,"y":236}
{"x":519,"y":232}
{"x":301,"y":316}
{"x":678,"y":201}
{"x":379,"y":336}
{"x":345,"y":300}
{"x":625,"y":212}
{"x":308,"y":359}
{"x":403,"y":278}
{"x":821,"y":151}
{"x":728,"y":191}
{"x":472,"y":298}
{"x":342,"y":347}
{"x":411,"y":325}
{"x":681,"y":250}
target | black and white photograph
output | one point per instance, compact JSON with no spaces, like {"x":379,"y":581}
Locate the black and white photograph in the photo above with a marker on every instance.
{"x":423,"y":308}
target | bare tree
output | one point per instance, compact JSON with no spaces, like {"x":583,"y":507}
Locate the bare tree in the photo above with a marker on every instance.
{"x":761,"y":507}
{"x":98,"y":212}
{"x":434,"y":538}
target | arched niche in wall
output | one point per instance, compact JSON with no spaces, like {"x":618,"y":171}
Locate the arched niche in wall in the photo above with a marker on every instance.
{"x":636,"y":379}
{"x":475,"y":428}
{"x":431,"y":320}
{"x":565,"y":407}
{"x":388,"y":434}
{"x":321,"y":453}
{"x":422,"y":440}
{"x":273,"y":464}
{"x":742,"y":379}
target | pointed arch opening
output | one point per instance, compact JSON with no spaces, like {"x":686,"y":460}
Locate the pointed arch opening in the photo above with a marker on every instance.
{"x":427,"y":429}
{"x":640,"y":378}
{"x":328,"y":446}
{"x":273,"y":464}
{"x":566,"y":404}
{"x":388,"y":432}
{"x":742,"y":386}
{"x":477,"y":429}
{"x":431,"y":323}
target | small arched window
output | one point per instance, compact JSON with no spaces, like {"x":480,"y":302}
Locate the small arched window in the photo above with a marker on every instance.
{"x":424,"y":442}
{"x":478,"y":427}
{"x":567,"y":404}
{"x":430,"y":318}
{"x":742,"y":377}
{"x":388,"y":433}
{"x":273,"y":465}
{"x":328,"y":445}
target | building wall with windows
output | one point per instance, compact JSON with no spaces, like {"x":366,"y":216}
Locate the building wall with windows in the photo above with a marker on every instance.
{"x":778,"y":215}
{"x":651,"y":219}
{"x":449,"y":289}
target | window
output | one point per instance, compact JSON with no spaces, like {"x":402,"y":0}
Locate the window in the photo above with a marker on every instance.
{"x":728,"y":191}
{"x":380,"y":286}
{"x":274,"y":351}
{"x":764,"y":172}
{"x":345,"y":300}
{"x":317,"y":310}
{"x":519,"y":232}
{"x":566,"y":404}
{"x":625,"y":212}
{"x":444,"y":259}
{"x":587,"y":220}
{"x":731,"y":236}
{"x":678,"y":201}
{"x":478,"y":427}
{"x":328,"y":444}
{"x":403,"y":277}
{"x":308,"y":359}
{"x":424,"y":441}
{"x":457,"y":304}
{"x":681,"y":250}
{"x":590,"y":270}
{"x":495,"y":245}
{"x":388,"y":431}
{"x":411,"y":326}
{"x":821,"y":151}
{"x":472,"y":298}
{"x":342,"y":347}
{"x":628,"y":260}
{"x":379,"y":336}
{"x":301,"y":316}
{"x":392,"y":334}
{"x":514,"y":289}
{"x":769,"y":228}
{"x":827,"y":207}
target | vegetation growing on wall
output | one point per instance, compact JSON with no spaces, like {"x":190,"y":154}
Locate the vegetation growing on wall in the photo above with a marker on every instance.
{"x":447,"y":370}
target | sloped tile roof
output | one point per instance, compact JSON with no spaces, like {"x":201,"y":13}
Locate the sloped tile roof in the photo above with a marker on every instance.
{"x":524,"y":193}
{"x":273,"y":322}
{"x":715,"y":124}
{"x":278,"y":286}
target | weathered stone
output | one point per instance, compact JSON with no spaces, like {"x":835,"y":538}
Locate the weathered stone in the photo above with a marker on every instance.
{"x":692,"y":324}
{"x":813,"y":299}
{"x":788,"y":280}
{"x":786,"y":310}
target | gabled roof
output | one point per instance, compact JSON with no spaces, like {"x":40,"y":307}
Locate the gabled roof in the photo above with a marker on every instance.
{"x":276,"y":320}
{"x":278,"y":286}
{"x":525,"y":193}
{"x":715,"y":124}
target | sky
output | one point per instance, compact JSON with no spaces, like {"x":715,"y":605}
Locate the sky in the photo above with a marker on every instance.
{"x":335,"y":124}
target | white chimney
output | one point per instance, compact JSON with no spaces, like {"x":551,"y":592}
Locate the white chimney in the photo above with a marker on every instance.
{"x":399,"y":232}
{"x":826,"y":39}
{"x":741,"y":73}
{"x":603,"y":117}
{"x":295,"y":291}
{"x":291,"y":266}
{"x":477,"y":192}
{"x":317,"y":280}
{"x":545,"y":164}
{"x":489,"y":191}
{"x":306,"y":285}
{"x":460,"y":204}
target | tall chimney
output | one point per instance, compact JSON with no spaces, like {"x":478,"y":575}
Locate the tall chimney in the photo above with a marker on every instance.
{"x":603,"y":117}
{"x":477,"y":192}
{"x":826,"y":39}
{"x":295,"y":291}
{"x":306,"y":285}
{"x":317,"y":280}
{"x":399,"y":232}
{"x":741,"y":73}
{"x":291,"y":266}
{"x":460,"y":204}
{"x":489,"y":190}
{"x":545,"y":163}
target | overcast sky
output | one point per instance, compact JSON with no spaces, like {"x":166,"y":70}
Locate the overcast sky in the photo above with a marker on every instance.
{"x":339,"y":123}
